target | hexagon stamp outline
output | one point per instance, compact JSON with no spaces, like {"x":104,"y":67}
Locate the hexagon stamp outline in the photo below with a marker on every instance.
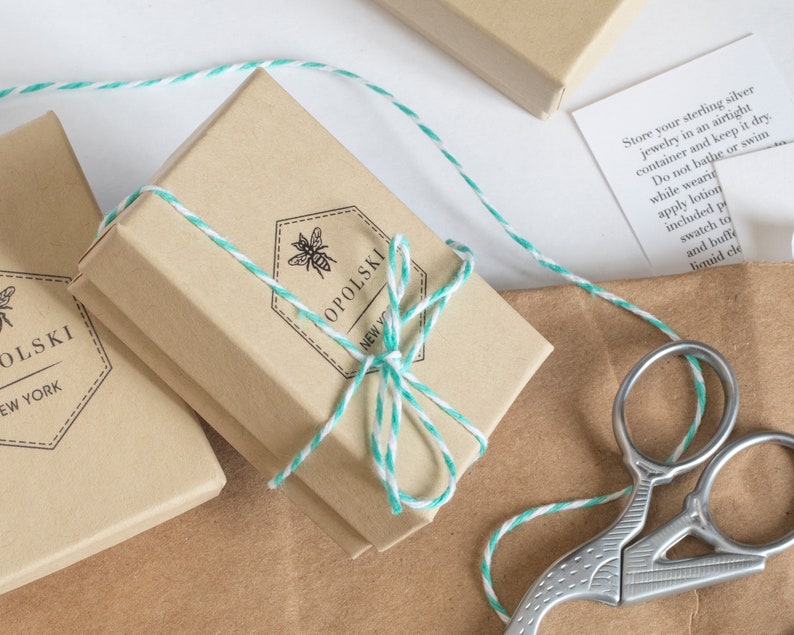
{"x":106,"y":366}
{"x":312,"y":341}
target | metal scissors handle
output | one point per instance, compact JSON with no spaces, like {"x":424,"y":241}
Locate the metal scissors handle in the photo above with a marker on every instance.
{"x":593,"y":571}
{"x":649,"y":574}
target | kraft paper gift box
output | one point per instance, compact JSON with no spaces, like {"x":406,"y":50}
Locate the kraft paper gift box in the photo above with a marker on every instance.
{"x":278,"y":574}
{"x":535,"y":51}
{"x":94,"y":448}
{"x":266,"y":176}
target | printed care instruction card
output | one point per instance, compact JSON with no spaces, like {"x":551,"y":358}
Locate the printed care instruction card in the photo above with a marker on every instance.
{"x":657,"y":143}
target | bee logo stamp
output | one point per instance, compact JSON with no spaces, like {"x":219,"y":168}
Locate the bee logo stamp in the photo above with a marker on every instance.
{"x":311,"y":253}
{"x":5,"y":297}
{"x":349,"y":254}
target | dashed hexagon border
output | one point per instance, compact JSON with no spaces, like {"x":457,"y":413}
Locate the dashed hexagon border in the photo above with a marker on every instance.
{"x":104,"y":372}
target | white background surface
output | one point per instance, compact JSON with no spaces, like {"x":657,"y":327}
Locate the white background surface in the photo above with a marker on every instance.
{"x":540,"y":175}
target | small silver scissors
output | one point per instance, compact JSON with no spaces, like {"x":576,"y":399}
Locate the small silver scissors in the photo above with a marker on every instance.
{"x":610,"y":569}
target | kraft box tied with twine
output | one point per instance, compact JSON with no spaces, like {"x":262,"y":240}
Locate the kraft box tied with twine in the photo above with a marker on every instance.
{"x":346,"y":318}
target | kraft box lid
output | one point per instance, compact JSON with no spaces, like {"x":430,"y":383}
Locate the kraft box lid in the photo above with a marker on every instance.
{"x":535,"y":51}
{"x":93,"y":447}
{"x":266,"y":176}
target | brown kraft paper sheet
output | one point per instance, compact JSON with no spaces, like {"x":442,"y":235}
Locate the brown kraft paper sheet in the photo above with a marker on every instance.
{"x":251,"y":562}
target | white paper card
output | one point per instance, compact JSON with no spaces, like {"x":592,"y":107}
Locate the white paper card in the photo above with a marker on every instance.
{"x":759,"y":190}
{"x":656,"y":143}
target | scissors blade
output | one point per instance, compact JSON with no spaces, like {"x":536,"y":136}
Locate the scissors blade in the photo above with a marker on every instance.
{"x":668,"y":577}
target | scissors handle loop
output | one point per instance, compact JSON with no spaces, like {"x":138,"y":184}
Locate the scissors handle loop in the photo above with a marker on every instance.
{"x":699,"y":498}
{"x":663,"y":472}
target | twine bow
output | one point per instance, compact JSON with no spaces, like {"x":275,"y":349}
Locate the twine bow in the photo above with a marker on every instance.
{"x":398,"y":386}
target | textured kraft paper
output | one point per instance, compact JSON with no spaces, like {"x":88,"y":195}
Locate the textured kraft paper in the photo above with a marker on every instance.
{"x":264,"y":174}
{"x":93,"y":447}
{"x":535,"y":51}
{"x":250,"y":562}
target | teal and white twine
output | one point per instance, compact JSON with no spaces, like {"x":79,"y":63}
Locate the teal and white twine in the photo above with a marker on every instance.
{"x":397,"y":383}
{"x":393,"y":379}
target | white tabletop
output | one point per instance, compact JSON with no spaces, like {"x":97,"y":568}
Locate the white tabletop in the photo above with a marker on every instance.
{"x":540,"y":175}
